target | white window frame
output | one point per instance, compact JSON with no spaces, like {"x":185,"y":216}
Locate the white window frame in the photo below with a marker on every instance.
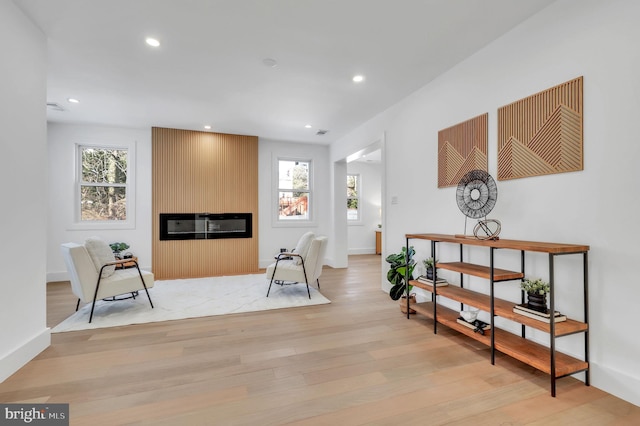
{"x":357,"y":221}
{"x":130,"y":186}
{"x":292,"y":222}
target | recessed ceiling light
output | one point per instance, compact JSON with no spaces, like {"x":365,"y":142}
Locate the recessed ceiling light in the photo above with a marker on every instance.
{"x":269,"y":62}
{"x":152,"y":42}
{"x":358,"y":78}
{"x":207,"y":127}
{"x":73,"y":100}
{"x":308,"y":126}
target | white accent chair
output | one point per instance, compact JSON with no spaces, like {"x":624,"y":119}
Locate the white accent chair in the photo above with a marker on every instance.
{"x":294,"y":267}
{"x":90,"y":284}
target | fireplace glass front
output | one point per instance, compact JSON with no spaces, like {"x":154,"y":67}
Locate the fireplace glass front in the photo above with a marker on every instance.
{"x":204,"y":226}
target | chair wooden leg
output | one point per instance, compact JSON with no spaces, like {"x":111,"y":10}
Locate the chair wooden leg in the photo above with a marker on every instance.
{"x":77,"y":305}
{"x":318,"y":281}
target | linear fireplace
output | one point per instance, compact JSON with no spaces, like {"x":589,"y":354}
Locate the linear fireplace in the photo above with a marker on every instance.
{"x":204,"y":226}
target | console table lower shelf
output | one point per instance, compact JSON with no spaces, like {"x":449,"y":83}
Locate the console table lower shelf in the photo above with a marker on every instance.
{"x":526,"y":351}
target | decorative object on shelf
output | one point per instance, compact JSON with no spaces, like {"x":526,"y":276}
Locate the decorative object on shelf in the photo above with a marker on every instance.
{"x":536,"y":293}
{"x":469,"y":315}
{"x":487,"y":229}
{"x":542,"y":134}
{"x":429,"y":263}
{"x":525,"y":310}
{"x":476,"y":325}
{"x":461,"y":148}
{"x":402,"y":265}
{"x":440,"y":282}
{"x":476,"y":196}
{"x":118,"y":248}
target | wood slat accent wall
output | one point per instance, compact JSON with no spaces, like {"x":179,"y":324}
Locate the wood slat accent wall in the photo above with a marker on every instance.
{"x":202,"y":172}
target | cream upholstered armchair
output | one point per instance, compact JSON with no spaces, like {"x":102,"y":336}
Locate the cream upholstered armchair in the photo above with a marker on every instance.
{"x":93,"y":274}
{"x":302,"y":265}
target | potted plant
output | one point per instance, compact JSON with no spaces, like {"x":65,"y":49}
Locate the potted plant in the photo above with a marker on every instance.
{"x":118,"y":248}
{"x":429,"y":263}
{"x":402,"y":265}
{"x":536,"y":293}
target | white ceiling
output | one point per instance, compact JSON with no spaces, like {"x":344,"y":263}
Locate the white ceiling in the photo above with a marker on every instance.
{"x":209,"y":68}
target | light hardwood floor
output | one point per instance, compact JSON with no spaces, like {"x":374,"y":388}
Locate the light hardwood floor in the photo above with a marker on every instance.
{"x":355,"y":361}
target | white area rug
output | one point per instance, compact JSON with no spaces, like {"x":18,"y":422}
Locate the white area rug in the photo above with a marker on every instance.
{"x":191,"y":298}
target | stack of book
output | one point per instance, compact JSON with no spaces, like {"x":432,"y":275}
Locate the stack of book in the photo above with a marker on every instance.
{"x":440,"y":282}
{"x":537,"y":315}
{"x":477,"y":325}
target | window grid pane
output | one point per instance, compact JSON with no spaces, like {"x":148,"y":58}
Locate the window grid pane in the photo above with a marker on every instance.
{"x":103,"y":183}
{"x":100,"y":165}
{"x":103,"y":203}
{"x":353,"y":199}
{"x":294,"y":192}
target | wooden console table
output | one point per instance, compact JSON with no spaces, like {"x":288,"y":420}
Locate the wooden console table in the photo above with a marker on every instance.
{"x":543,"y":358}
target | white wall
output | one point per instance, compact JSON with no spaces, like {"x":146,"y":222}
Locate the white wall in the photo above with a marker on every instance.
{"x":361,"y":234}
{"x":62,"y":141}
{"x":597,"y":206}
{"x":23,"y":333}
{"x":274,"y":236}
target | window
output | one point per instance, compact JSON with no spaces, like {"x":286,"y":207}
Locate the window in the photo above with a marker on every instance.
{"x":294,"y":190}
{"x":103,"y":183}
{"x":353,"y":197}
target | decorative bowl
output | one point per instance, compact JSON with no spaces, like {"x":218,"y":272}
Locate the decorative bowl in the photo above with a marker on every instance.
{"x":469,"y":315}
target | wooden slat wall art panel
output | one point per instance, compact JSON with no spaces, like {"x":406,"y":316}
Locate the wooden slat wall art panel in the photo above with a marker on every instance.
{"x":542,"y":134}
{"x":462,"y":148}
{"x":202,"y":172}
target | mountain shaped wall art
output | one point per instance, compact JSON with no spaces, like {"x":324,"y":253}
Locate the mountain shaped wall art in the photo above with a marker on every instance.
{"x":462,"y":148}
{"x":542,"y":134}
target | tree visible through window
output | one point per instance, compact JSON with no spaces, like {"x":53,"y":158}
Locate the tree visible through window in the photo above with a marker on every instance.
{"x":103,"y":183}
{"x":294,"y":190}
{"x":353,"y":197}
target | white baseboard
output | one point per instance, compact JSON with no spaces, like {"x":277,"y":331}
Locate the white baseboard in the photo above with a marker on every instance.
{"x":616,"y":383}
{"x":353,"y":251}
{"x":16,"y":359}
{"x":57,"y":276}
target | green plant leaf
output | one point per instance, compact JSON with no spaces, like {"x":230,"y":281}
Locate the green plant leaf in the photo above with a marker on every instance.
{"x":402,"y":264}
{"x":397,"y":291}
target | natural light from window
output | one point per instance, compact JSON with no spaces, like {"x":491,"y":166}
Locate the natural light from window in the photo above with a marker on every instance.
{"x":103,"y":183}
{"x":294,"y":190}
{"x":353,"y":197}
